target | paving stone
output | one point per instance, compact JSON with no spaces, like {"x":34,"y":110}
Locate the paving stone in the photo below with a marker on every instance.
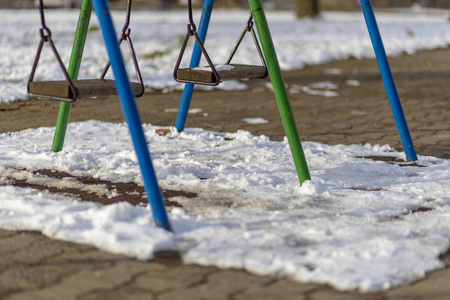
{"x":200,"y":292}
{"x":82,"y":283}
{"x":11,"y":281}
{"x":86,"y":255}
{"x":18,"y":241}
{"x":34,"y":277}
{"x":279,"y":289}
{"x":36,"y":247}
{"x":330,"y":294}
{"x":7,"y":234}
{"x":157,"y":285}
{"x":131,"y":293}
{"x":190,"y":274}
{"x":219,"y":286}
{"x":232,"y":281}
{"x":436,"y":286}
{"x":372,"y":138}
{"x":443,"y":297}
{"x":72,"y":287}
{"x":441,"y":150}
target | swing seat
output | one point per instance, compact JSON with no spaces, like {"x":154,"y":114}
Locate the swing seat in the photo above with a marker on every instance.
{"x":61,"y":90}
{"x":206,"y":75}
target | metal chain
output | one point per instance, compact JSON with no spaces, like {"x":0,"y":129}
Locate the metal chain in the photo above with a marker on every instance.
{"x":125,"y":36}
{"x":192,"y":31}
{"x":192,"y":28}
{"x":125,"y":29}
{"x":45,"y":31}
{"x":46,"y":36}
{"x":248,"y":28}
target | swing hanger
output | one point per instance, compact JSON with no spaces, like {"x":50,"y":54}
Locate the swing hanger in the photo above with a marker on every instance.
{"x":69,"y":90}
{"x":46,"y":37}
{"x":214,"y":75}
{"x":248,"y":28}
{"x":125,"y":36}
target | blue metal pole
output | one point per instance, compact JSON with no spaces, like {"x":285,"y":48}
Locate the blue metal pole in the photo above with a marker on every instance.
{"x":388,"y":80}
{"x":195,"y":60}
{"x":131,"y":114}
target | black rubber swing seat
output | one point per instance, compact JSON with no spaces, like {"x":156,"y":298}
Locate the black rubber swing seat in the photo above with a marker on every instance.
{"x":61,"y":89}
{"x":206,"y":75}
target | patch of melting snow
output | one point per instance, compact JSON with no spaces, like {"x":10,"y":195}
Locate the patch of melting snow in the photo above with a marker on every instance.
{"x":333,"y":71}
{"x":190,"y":111}
{"x":358,"y":224}
{"x":255,"y":121}
{"x":353,"y":82}
{"x":319,"y":89}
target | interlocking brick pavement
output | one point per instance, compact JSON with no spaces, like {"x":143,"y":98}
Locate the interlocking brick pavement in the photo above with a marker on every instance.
{"x":35,"y":267}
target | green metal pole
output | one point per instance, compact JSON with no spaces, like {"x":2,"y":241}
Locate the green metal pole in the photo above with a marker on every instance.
{"x":74,"y":67}
{"x":280,"y":90}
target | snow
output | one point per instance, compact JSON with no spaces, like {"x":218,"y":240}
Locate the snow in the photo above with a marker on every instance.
{"x":325,"y":88}
{"x":359,"y":223}
{"x":255,"y":121}
{"x":353,"y":82}
{"x":157,"y":36}
{"x":217,"y":67}
{"x":190,"y":111}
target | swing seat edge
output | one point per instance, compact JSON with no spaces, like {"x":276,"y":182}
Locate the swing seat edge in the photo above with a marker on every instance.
{"x":239,"y":71}
{"x":61,"y":90}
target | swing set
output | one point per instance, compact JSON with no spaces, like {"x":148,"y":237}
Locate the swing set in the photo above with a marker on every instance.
{"x":71,"y":89}
{"x":214,"y":76}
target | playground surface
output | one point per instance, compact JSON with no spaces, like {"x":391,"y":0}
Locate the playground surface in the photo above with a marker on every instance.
{"x":349,"y":107}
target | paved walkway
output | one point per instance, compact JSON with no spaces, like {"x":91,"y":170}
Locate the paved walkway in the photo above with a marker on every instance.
{"x":35,"y":267}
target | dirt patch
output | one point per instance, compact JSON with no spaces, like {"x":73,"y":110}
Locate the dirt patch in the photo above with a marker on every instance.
{"x":393,"y":161}
{"x":122,"y":191}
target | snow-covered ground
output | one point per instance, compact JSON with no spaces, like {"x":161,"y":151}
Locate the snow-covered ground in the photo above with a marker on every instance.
{"x":158,"y":35}
{"x":358,"y":224}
